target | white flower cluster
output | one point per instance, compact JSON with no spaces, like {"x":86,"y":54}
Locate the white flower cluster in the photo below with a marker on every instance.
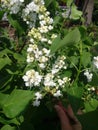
{"x":12,"y":5}
{"x":29,"y":14}
{"x":65,"y":11}
{"x":59,"y":64}
{"x":46,"y":74}
{"x":88,"y":75}
{"x":32,"y":78}
{"x":95,"y":61}
{"x":41,"y":56}
{"x":37,"y":100}
{"x":34,"y":11}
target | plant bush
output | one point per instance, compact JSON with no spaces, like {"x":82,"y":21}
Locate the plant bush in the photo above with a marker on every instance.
{"x":46,"y":55}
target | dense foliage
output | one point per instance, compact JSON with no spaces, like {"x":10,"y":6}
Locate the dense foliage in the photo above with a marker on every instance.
{"x":46,"y":54}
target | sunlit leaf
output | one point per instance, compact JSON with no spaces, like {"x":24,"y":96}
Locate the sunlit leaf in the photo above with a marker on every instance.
{"x":75,"y":14}
{"x":8,"y":127}
{"x":70,"y":39}
{"x":17,"y":102}
{"x":4,"y":61}
{"x":91,"y":105}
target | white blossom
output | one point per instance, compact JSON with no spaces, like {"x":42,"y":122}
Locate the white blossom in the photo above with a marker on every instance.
{"x":88,"y":75}
{"x":53,"y":36}
{"x":46,"y":51}
{"x":38,"y":95}
{"x":49,"y":42}
{"x":57,"y":94}
{"x":59,"y":64}
{"x":42,"y":65}
{"x":95,"y":61}
{"x":36,"y":103}
{"x":30,"y":58}
{"x":43,"y":39}
{"x":32,"y":78}
{"x":43,"y":59}
{"x":13,"y":5}
{"x":48,"y":80}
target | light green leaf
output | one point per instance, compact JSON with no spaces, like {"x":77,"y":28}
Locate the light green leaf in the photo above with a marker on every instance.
{"x":8,"y":127}
{"x":17,"y":102}
{"x":75,"y":14}
{"x":4,"y":61}
{"x":85,"y":58}
{"x":70,"y":39}
{"x":69,"y":2}
{"x":4,"y":52}
{"x":19,"y":57}
{"x":91,"y":105}
{"x":55,"y":44}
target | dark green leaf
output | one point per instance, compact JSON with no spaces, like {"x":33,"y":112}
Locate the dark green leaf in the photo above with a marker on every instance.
{"x":15,"y":23}
{"x":74,"y":96}
{"x":89,"y":120}
{"x":48,"y":2}
{"x":7,"y":121}
{"x":1,"y":13}
{"x":3,"y":98}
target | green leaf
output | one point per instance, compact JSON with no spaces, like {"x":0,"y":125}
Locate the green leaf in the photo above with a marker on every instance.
{"x":74,"y":96}
{"x":70,"y":39}
{"x":89,"y":120}
{"x":69,"y":2}
{"x":91,"y":105}
{"x":17,"y":102}
{"x":4,"y":61}
{"x":1,"y":14}
{"x":19,"y":57}
{"x":74,"y":61}
{"x":75,"y":14}
{"x":3,"y":98}
{"x":94,"y":81}
{"x":56,"y":20}
{"x":55,"y":44}
{"x":7,"y":121}
{"x":85,"y":58}
{"x":48,"y":2}
{"x":4,"y":81}
{"x":8,"y":127}
{"x":15,"y":23}
{"x":4,"y":52}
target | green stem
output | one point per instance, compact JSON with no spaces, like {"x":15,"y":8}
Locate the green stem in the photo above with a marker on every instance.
{"x":79,"y":70}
